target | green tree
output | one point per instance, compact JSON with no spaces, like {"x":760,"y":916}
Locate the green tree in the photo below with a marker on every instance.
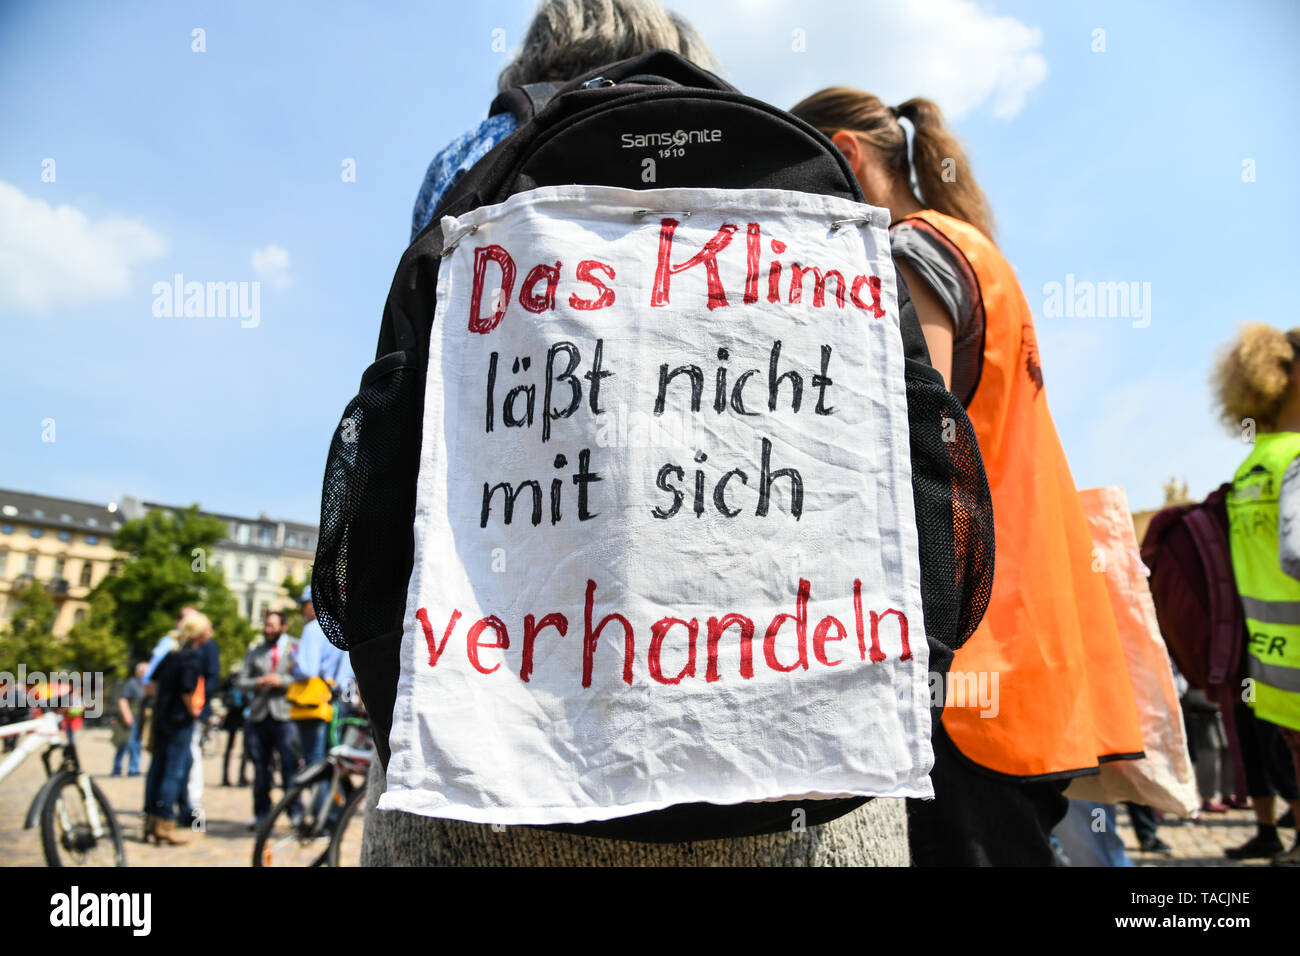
{"x":29,"y":638}
{"x":169,"y":567}
{"x":93,"y":643}
{"x":293,"y":615}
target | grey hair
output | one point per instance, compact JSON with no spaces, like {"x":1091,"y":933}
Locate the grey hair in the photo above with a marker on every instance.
{"x":568,"y":38}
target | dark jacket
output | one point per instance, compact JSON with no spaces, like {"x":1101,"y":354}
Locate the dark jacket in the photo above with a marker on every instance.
{"x":210,"y":663}
{"x":175,"y":677}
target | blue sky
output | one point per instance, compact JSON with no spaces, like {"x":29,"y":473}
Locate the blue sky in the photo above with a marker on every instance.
{"x":1122,"y":165}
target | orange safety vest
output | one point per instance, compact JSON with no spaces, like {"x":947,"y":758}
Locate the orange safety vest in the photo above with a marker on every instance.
{"x":1064,"y":703}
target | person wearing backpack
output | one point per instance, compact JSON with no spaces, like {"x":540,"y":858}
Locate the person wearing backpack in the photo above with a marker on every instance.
{"x":361,"y":598}
{"x":1257,"y":390}
{"x":565,"y":39}
{"x":181,"y":696}
{"x":1049,"y":634}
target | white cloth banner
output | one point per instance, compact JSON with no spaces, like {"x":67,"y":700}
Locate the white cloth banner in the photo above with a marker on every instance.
{"x":665,"y":547}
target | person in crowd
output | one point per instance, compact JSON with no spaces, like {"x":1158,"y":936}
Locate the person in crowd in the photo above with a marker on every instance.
{"x":1049,"y":633}
{"x":317,"y":658}
{"x":233,"y":724}
{"x":176,"y":679}
{"x":265,"y":675}
{"x":166,"y":644}
{"x":1257,"y":390}
{"x":566,"y":39}
{"x":1146,"y":824}
{"x":129,"y":713}
{"x":192,"y":796}
{"x":1207,"y":743}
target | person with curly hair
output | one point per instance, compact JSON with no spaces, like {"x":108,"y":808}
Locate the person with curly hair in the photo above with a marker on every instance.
{"x":1257,"y":391}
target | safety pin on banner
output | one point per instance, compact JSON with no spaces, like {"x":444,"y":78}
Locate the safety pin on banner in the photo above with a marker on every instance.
{"x":839,"y":224}
{"x":456,"y":242}
{"x":642,"y":213}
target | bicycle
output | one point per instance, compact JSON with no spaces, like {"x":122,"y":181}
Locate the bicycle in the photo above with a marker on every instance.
{"x":321,"y":801}
{"x":78,"y":826}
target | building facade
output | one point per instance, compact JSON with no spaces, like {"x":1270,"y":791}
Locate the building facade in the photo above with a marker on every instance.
{"x":256,"y":554}
{"x":68,"y":546}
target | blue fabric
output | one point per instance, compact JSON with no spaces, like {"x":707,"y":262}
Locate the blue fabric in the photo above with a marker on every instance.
{"x":261,"y":738}
{"x":317,"y":657}
{"x":132,"y":750}
{"x":168,"y":771}
{"x":311,"y":734}
{"x":454,"y":161}
{"x":166,"y":644}
{"x":1089,"y":834}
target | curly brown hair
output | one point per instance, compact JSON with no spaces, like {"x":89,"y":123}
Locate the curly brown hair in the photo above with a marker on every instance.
{"x":1252,"y":374}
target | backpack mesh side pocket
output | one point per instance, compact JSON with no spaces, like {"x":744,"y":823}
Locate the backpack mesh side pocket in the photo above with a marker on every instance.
{"x":954,"y":513}
{"x":366,"y":544}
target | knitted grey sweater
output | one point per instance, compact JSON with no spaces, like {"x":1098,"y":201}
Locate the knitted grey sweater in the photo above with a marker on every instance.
{"x":873,"y":835}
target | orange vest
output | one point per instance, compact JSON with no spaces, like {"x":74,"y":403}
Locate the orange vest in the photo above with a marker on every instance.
{"x":1064,"y":703}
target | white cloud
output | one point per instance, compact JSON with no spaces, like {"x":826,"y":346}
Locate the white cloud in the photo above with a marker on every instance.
{"x":272,"y":265}
{"x":954,"y":52}
{"x":57,"y":256}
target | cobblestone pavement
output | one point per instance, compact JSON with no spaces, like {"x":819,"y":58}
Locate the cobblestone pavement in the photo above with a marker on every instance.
{"x":1200,"y":842}
{"x":227,"y":841}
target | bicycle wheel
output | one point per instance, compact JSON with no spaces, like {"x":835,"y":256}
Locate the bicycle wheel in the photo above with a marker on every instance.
{"x":292,"y":834}
{"x":66,"y":831}
{"x":345,"y":845}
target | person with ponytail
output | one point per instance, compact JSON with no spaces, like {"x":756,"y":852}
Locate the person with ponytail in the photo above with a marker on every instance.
{"x":1257,"y":391}
{"x":1048,"y":642}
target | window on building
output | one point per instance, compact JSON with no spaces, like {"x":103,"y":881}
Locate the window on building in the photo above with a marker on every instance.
{"x":6,"y":528}
{"x":59,"y":565}
{"x":291,"y":541}
{"x":239,"y":569}
{"x":38,"y":513}
{"x":114,"y":568}
{"x":4,"y":563}
{"x":306,"y":543}
{"x":78,"y":615}
{"x":37,"y":532}
{"x":93,"y":522}
{"x":86,"y":570}
{"x":30,"y":566}
{"x":92,"y":539}
{"x":65,"y":536}
{"x":241,"y":534}
{"x":266,"y":537}
{"x":261,"y":571}
{"x":9,"y":510}
{"x":66,"y":519}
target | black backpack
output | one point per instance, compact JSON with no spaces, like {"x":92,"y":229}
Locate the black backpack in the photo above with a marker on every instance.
{"x":570,"y":133}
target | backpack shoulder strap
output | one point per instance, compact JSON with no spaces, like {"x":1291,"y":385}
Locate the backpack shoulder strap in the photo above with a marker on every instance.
{"x":1226,"y":621}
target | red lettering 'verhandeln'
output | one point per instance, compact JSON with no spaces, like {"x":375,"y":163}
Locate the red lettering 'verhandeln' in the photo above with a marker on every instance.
{"x":435,"y":649}
{"x":829,"y":630}
{"x":590,"y":638}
